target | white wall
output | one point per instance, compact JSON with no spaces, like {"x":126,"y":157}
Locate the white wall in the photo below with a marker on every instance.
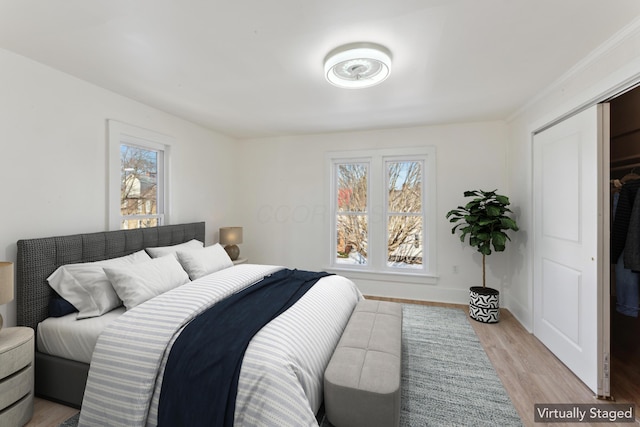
{"x":284,"y":206}
{"x":612,"y":67}
{"x":53,"y":158}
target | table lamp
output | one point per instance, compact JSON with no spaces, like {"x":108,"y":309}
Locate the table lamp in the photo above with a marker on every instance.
{"x":230,"y":237}
{"x":6,"y":284}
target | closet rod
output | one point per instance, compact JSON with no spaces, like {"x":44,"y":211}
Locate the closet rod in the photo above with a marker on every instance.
{"x":628,"y":167}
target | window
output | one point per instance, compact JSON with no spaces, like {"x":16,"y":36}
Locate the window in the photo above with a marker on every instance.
{"x":138,"y":161}
{"x":382,"y":211}
{"x":404,"y":216}
{"x":352,"y":213}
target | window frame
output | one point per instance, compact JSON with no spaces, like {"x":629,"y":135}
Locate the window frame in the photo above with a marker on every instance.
{"x":378,"y":208}
{"x":124,"y":134}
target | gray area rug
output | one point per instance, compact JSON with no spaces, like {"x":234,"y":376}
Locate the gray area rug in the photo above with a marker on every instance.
{"x":447,"y":378}
{"x":71,"y":422}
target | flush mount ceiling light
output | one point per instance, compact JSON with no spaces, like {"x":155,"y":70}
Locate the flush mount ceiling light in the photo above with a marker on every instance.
{"x":357,"y":65}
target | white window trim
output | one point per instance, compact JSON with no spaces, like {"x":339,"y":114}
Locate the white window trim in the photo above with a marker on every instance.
{"x":122,"y":133}
{"x":377,"y":266}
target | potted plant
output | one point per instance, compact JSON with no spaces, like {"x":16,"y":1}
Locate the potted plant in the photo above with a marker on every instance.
{"x":484,"y":219}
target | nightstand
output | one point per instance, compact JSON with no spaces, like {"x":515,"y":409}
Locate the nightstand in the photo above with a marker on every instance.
{"x":240,"y":261}
{"x":16,"y":376}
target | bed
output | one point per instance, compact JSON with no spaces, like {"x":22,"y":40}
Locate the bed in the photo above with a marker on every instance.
{"x":319,"y":317}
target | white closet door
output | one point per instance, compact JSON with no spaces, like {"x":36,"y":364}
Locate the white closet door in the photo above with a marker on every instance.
{"x":571,"y":244}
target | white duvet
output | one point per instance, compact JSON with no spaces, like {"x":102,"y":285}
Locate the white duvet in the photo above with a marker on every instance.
{"x":282,"y":372}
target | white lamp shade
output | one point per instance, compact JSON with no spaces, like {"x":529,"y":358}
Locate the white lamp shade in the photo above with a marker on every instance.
{"x":230,"y":235}
{"x":6,"y":282}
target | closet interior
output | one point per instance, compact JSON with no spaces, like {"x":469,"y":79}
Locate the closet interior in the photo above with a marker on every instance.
{"x":625,"y":245}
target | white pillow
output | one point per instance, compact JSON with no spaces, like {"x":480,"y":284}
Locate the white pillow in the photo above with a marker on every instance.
{"x":205,"y":261}
{"x":166,"y":250}
{"x":138,"y":283}
{"x":86,"y":286}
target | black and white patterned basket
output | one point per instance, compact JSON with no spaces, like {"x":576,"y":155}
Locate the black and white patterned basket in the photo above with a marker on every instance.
{"x":484,"y":304}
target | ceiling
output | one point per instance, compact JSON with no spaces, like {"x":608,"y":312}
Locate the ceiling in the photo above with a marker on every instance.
{"x":254,"y":68}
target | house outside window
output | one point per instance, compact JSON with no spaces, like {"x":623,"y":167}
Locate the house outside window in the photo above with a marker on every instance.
{"x":139,"y":186}
{"x":382,"y":211}
{"x":138,"y":176}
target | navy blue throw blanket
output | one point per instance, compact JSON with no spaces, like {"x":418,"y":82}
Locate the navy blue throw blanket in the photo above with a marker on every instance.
{"x":201,"y":377}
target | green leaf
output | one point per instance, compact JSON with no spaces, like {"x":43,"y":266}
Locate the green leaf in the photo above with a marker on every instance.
{"x":486,"y":221}
{"x":499,"y":239}
{"x":508,"y":223}
{"x":493,"y":211}
{"x":485,"y":250}
{"x":503,"y":200}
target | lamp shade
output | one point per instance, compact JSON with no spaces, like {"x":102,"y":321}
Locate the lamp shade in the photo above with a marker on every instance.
{"x":6,"y":282}
{"x":230,"y":235}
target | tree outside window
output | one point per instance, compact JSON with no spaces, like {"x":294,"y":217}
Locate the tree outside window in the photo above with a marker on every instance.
{"x":380,"y":212}
{"x":352,"y":217}
{"x":139,"y":187}
{"x":404,"y":214}
{"x":138,"y":177}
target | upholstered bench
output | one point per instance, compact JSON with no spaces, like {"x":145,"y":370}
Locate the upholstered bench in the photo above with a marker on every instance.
{"x":362,"y":380}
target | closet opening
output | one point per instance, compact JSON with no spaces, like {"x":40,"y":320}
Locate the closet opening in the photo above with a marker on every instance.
{"x":625,"y":245}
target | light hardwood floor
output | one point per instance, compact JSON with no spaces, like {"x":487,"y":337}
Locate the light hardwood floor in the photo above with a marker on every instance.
{"x":49,"y":414}
{"x":529,"y":372}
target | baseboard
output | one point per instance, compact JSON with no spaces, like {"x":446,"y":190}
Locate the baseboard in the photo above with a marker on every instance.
{"x":419,"y":302}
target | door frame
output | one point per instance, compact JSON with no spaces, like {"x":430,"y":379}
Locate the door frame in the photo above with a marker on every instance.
{"x":604,"y":251}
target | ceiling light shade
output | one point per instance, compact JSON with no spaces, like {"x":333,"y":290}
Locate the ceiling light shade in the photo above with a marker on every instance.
{"x":357,"y":65}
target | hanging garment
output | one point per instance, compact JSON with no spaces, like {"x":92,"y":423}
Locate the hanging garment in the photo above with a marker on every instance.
{"x":622,"y":218}
{"x":627,"y":289}
{"x":627,"y":280}
{"x":632,"y":245}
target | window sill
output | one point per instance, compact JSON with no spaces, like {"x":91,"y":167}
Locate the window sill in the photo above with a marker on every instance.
{"x":387,"y":276}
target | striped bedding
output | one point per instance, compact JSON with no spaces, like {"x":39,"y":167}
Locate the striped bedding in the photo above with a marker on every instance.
{"x":281,"y":376}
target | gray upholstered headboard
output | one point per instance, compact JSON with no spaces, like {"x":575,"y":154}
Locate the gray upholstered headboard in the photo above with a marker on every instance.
{"x":38,"y":258}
